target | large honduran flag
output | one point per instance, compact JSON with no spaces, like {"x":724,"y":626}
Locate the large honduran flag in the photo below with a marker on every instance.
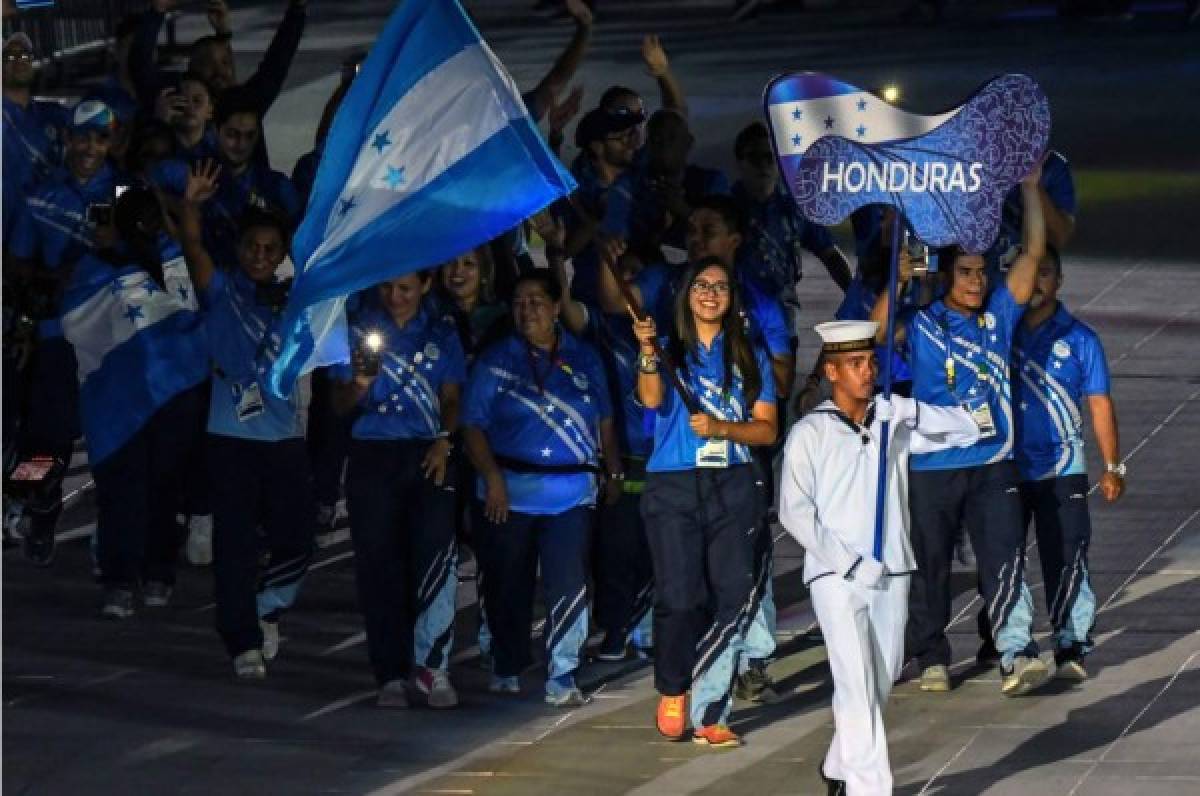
{"x":431,"y":153}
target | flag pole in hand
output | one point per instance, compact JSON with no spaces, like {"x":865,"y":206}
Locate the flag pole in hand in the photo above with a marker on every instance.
{"x":638,"y":312}
{"x":881,"y":493}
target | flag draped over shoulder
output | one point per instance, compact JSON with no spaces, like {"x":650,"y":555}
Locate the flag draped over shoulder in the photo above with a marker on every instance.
{"x":138,"y":345}
{"x":431,"y":153}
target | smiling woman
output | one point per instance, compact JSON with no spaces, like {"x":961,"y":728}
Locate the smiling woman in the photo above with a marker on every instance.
{"x":537,"y":421}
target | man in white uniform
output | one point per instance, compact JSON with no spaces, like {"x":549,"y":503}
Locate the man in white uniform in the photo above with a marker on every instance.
{"x":827,"y":502}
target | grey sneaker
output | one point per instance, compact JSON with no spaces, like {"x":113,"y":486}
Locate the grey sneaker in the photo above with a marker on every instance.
{"x":935,"y":679}
{"x":756,"y":685}
{"x":118,"y":604}
{"x":1024,"y":675}
{"x":270,"y":645}
{"x":156,"y":594}
{"x":393,"y":694}
{"x":250,"y":665}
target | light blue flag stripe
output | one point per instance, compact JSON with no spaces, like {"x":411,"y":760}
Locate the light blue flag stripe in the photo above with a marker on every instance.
{"x":432,"y":153}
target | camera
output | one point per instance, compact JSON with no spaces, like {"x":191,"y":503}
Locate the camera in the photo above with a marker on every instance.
{"x":918,"y":252}
{"x":272,"y":294}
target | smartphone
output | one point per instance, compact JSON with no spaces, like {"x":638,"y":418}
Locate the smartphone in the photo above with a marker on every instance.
{"x":918,"y":252}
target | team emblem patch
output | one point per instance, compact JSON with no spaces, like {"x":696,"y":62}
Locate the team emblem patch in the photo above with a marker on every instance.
{"x":432,"y":351}
{"x":581,"y":381}
{"x":1061,"y":349}
{"x":989,"y":320}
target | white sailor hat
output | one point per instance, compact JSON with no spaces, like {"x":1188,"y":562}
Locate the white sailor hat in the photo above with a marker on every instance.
{"x":840,"y":336}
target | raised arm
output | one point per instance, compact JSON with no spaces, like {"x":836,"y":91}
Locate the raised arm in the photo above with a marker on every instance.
{"x":879,"y":313}
{"x":659,"y":67}
{"x":568,"y":62}
{"x":552,"y":230}
{"x":650,"y":387}
{"x":201,"y":185}
{"x":1023,"y":274}
{"x":266,"y":83}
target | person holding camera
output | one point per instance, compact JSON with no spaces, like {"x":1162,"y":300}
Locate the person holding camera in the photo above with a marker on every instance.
{"x":259,"y":469}
{"x":537,"y":421}
{"x":960,"y":347}
{"x":704,"y":500}
{"x":131,"y":314}
{"x":403,"y":387}
{"x":65,"y":217}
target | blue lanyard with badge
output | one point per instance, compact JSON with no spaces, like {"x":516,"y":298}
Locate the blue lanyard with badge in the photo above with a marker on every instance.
{"x":713,"y":452}
{"x":247,"y":395}
{"x":978,"y":406}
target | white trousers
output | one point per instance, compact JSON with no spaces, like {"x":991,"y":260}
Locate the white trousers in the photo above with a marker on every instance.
{"x":864,"y":639}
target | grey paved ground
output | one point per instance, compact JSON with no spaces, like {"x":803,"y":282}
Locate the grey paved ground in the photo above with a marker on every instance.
{"x":148,"y":706}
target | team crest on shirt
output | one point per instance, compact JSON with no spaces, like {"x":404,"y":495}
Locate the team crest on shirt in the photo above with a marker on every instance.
{"x":1061,"y":349}
{"x":581,"y":380}
{"x":418,"y":358}
{"x":432,"y":351}
{"x":989,"y":320}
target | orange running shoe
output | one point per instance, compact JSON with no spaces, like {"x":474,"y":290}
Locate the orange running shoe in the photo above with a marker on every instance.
{"x":716,"y":735}
{"x":672,"y":716}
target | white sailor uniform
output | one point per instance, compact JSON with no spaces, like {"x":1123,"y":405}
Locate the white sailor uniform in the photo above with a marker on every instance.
{"x":827,"y":502}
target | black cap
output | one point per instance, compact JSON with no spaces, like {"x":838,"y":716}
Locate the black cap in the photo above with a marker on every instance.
{"x":598,"y":124}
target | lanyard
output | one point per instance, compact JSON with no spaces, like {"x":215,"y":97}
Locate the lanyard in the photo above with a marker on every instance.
{"x":949,"y":366}
{"x":538,"y":377}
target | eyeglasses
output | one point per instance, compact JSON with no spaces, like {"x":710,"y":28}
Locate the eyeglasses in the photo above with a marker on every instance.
{"x":719,"y":288}
{"x":24,"y":57}
{"x":624,"y":135}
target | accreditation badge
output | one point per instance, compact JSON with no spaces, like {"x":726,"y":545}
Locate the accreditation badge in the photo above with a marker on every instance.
{"x":247,"y":401}
{"x":713,"y":453}
{"x":981,"y":413}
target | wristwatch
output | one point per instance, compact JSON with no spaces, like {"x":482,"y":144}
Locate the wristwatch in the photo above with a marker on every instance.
{"x":647,"y":363}
{"x":1118,"y":469}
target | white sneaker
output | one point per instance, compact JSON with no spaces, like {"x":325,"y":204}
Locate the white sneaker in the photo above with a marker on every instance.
{"x":199,"y":542}
{"x":434,"y":685}
{"x":118,"y":604}
{"x":250,"y":665}
{"x":270,"y":645}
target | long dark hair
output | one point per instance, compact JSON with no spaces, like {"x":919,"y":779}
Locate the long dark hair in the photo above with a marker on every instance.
{"x":737,"y":350}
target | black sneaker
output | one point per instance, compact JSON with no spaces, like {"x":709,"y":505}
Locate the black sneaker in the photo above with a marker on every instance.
{"x":612,"y":649}
{"x":987,"y":656}
{"x":834,"y":787}
{"x":756,"y":685}
{"x":39,"y":544}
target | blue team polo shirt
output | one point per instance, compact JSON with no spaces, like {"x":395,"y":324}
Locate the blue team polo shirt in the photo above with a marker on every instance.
{"x":675,"y":444}
{"x":980,"y":345}
{"x":32,"y":150}
{"x":53,"y":229}
{"x":776,"y":236}
{"x":633,"y":210}
{"x":1057,"y":365}
{"x":245,"y":341}
{"x":415,"y":361}
{"x":612,"y":336}
{"x":768,"y":321}
{"x":541,"y":410}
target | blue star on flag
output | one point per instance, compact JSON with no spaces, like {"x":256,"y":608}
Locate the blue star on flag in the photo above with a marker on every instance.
{"x":796,"y":140}
{"x":346,"y":206}
{"x":796,"y":114}
{"x":395,"y":177}
{"x":381,"y":142}
{"x":828,"y":122}
{"x":133,"y":312}
{"x":862,"y":131}
{"x":862,"y":104}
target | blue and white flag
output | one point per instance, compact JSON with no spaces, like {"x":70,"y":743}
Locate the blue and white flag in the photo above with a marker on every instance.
{"x":431,"y":153}
{"x":137,"y":344}
{"x":841,"y":148}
